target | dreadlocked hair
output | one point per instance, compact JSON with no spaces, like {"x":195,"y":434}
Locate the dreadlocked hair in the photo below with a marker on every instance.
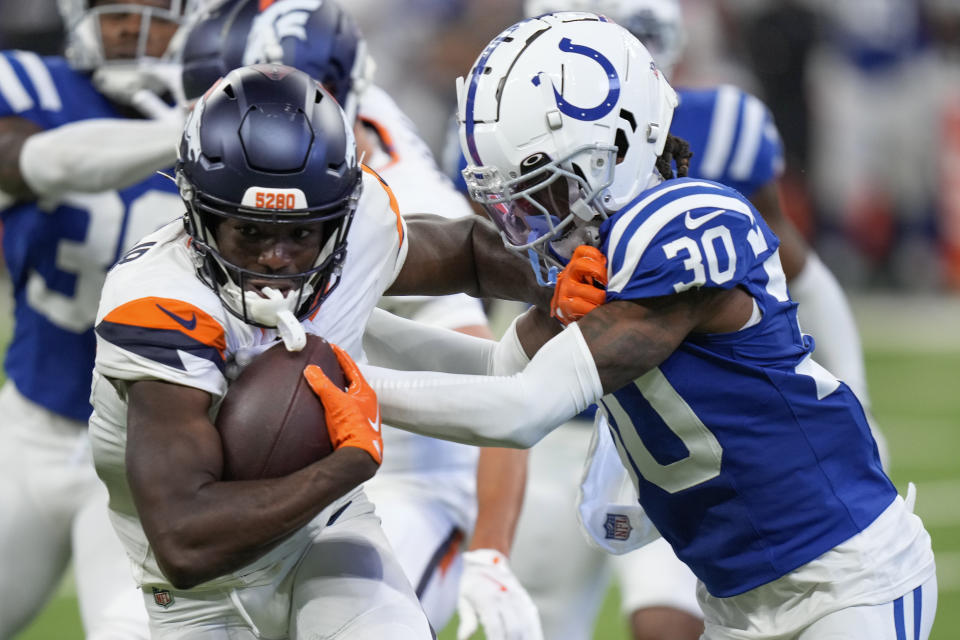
{"x":675,"y":153}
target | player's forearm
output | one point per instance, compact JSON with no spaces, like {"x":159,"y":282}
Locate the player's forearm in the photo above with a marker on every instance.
{"x":97,"y":155}
{"x":501,"y":484}
{"x":224,"y":526}
{"x":507,"y":410}
{"x":502,"y":273}
{"x":464,"y":255}
{"x":398,"y":343}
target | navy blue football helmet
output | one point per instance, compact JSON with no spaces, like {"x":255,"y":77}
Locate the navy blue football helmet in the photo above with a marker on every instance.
{"x":314,"y":36}
{"x":268,"y":144}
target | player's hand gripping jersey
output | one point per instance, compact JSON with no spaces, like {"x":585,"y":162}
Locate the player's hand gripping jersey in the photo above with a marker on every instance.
{"x":159,"y":321}
{"x":58,"y":250}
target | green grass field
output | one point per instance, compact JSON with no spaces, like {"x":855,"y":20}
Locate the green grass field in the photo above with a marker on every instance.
{"x":913,"y":364}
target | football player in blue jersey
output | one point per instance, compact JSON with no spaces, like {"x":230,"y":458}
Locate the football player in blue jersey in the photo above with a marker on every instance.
{"x":753,"y":461}
{"x":77,"y":188}
{"x":734,"y":141}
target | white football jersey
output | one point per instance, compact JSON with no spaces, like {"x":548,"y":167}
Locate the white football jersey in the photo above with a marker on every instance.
{"x":158,"y":321}
{"x":405,"y":162}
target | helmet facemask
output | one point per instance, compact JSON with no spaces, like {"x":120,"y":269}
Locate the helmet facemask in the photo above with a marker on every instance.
{"x":551,"y":208}
{"x":266,"y":153}
{"x":299,"y":294}
{"x":120,"y":74}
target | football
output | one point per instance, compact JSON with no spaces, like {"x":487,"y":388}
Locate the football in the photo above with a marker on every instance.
{"x":271,"y":423}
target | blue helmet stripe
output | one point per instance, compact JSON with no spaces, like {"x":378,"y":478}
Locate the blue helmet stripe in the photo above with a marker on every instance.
{"x":470,"y":121}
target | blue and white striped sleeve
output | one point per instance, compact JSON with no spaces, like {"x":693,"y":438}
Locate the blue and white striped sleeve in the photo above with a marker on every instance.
{"x":27,"y":86}
{"x":743,"y":148}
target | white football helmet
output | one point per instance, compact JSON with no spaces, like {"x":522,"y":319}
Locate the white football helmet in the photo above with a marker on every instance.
{"x":657,"y":23}
{"x":561,"y":122}
{"x":121,"y":78}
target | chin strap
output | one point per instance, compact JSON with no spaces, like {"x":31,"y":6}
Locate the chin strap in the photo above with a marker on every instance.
{"x":552,"y":272}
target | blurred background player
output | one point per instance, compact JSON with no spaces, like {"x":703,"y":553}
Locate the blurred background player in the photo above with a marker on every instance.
{"x":77,"y":188}
{"x":735,"y":142}
{"x":426,"y":493}
{"x":873,"y":80}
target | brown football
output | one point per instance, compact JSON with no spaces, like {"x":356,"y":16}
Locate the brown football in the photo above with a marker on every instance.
{"x":271,"y":423}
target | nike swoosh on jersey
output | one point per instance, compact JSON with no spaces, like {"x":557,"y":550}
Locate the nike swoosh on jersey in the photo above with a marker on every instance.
{"x":189,"y":325}
{"x":375,"y":423}
{"x":693,"y":223}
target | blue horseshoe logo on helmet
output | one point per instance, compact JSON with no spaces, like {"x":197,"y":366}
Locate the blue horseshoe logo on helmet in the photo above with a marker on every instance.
{"x":613,"y":93}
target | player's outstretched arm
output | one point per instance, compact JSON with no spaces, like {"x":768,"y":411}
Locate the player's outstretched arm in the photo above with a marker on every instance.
{"x":199,"y":526}
{"x":87,"y":156}
{"x":464,"y":255}
{"x":610,"y":347}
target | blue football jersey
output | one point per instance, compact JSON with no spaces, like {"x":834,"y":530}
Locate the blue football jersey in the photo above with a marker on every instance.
{"x":732,"y":135}
{"x":749,"y":457}
{"x":58,"y":253}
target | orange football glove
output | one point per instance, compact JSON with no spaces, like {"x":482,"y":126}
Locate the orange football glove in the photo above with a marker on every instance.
{"x":581,"y":286}
{"x":353,"y":416}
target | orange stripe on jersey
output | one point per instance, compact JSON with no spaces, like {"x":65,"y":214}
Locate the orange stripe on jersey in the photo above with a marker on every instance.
{"x":316,"y":311}
{"x":385,"y":138}
{"x":393,"y":199}
{"x":171,"y":314}
{"x":265,"y":3}
{"x":454,"y":549}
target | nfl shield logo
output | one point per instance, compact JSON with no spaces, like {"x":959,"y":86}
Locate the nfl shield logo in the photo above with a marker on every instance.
{"x":617,"y":527}
{"x":162,"y":597}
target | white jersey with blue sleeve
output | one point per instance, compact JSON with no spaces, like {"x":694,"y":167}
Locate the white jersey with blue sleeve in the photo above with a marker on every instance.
{"x":750,"y":458}
{"x":58,"y":251}
{"x":732,"y":135}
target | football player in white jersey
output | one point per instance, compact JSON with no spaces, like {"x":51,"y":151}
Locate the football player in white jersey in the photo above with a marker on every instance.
{"x":301,"y":556}
{"x":77,"y":189}
{"x":754,"y":462}
{"x":426,"y":492}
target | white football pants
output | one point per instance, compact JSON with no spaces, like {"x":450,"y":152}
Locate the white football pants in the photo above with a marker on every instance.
{"x":422,"y":514}
{"x":909,"y":617}
{"x":345,"y":584}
